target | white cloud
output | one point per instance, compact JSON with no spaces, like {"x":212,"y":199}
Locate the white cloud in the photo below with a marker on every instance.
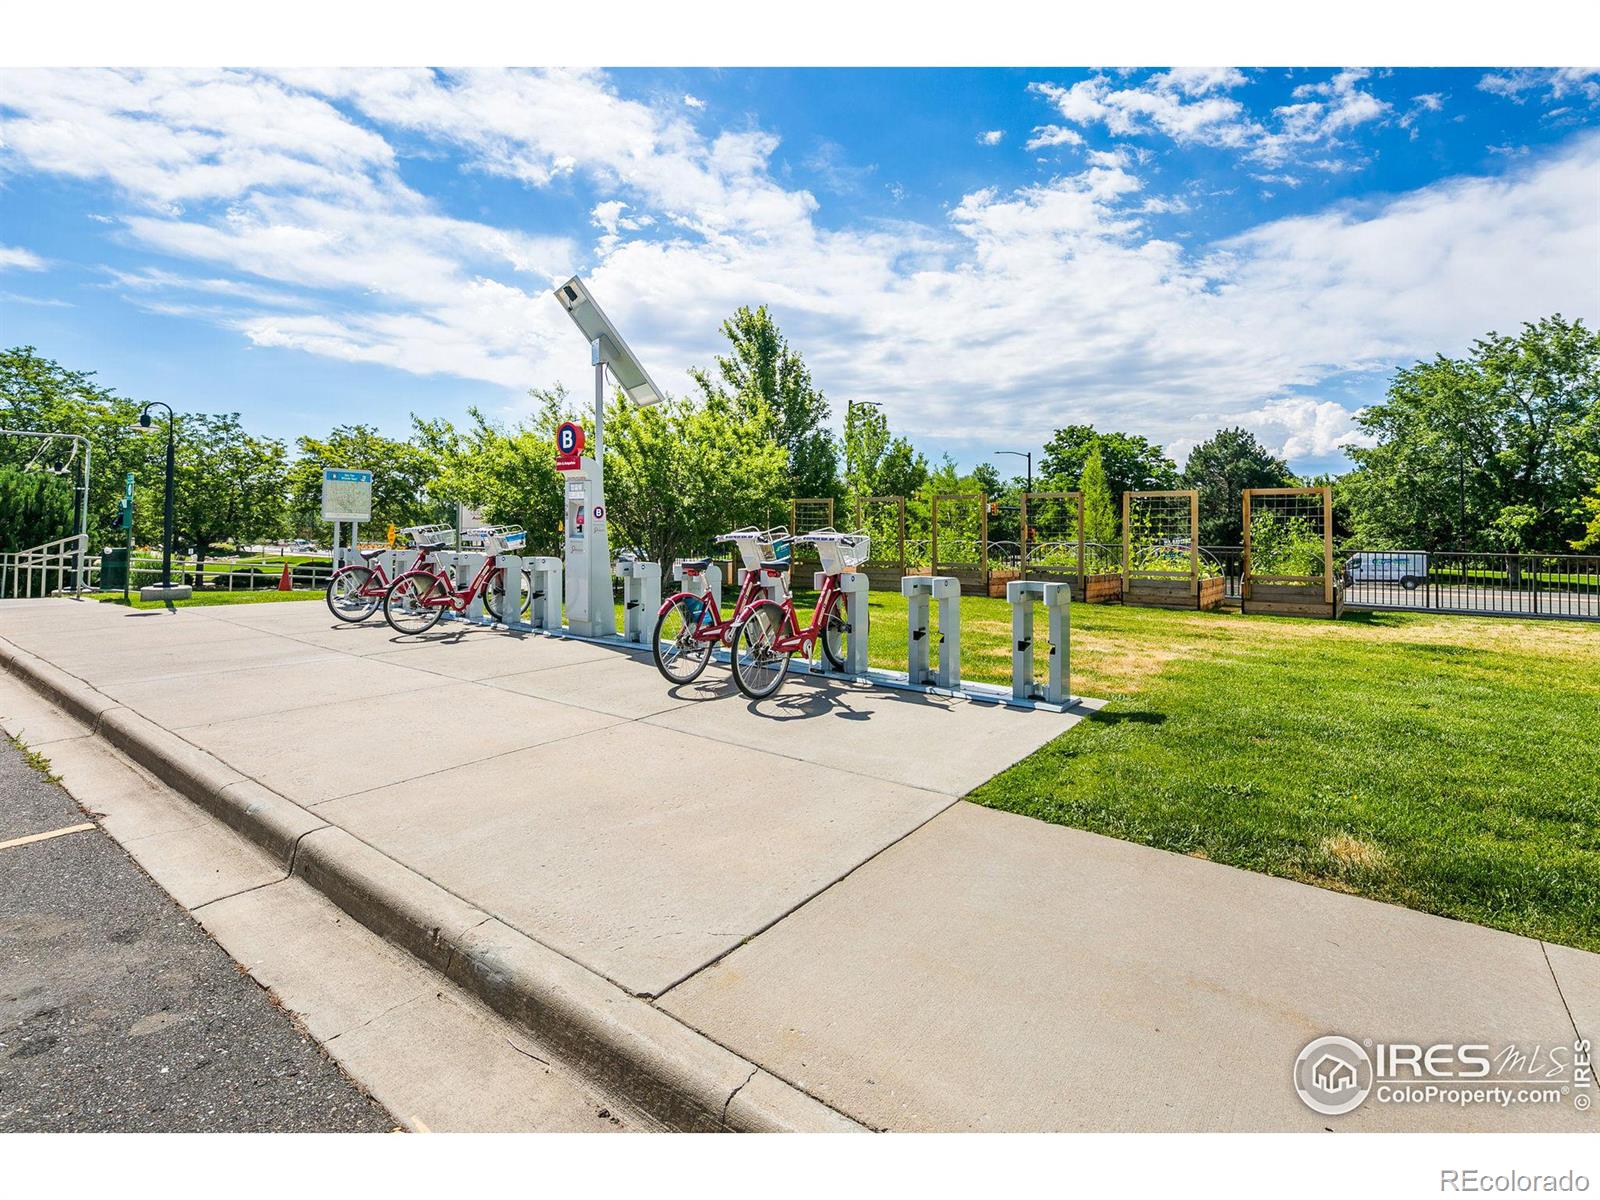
{"x":1191,"y":106}
{"x":1556,"y":83}
{"x":15,"y":258}
{"x":1300,"y":428}
{"x":991,"y":137}
{"x":1023,"y":310}
{"x":1054,"y":135}
{"x":693,"y":102}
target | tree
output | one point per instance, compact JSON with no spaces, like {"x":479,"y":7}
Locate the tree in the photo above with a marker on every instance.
{"x":35,"y":508}
{"x":1131,"y":463}
{"x":877,"y":462}
{"x":403,"y":475}
{"x":39,"y":394}
{"x":680,"y":472}
{"x":1589,"y":539}
{"x":1220,"y":469}
{"x":764,"y":377}
{"x":507,"y":474}
{"x":1100,"y":525}
{"x":230,"y":485}
{"x":1496,"y":449}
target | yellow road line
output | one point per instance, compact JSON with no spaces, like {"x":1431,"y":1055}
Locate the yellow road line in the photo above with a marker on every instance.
{"x":44,"y":837}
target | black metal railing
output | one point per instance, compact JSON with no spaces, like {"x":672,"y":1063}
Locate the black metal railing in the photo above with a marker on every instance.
{"x":1492,"y":584}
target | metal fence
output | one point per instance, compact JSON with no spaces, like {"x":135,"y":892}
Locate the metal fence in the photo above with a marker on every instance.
{"x":59,"y":566}
{"x":1521,"y":585}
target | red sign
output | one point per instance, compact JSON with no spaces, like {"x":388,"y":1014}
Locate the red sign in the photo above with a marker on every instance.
{"x":569,"y":446}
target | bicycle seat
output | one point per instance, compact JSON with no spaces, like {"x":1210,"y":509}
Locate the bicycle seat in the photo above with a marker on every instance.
{"x":430,"y":547}
{"x":775,"y":564}
{"x":369,"y":555}
{"x":696,"y":564}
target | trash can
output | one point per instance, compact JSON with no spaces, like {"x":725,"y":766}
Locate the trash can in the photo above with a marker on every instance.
{"x":114,"y":568}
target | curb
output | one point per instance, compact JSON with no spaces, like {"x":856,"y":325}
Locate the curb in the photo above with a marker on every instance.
{"x":669,"y":1071}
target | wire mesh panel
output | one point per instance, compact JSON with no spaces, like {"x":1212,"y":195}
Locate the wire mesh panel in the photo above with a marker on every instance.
{"x":883,"y":518}
{"x":1163,"y":563}
{"x":919,"y":533}
{"x":960,"y":539}
{"x":1288,"y":551}
{"x":806,"y":514}
{"x":1052,"y":536}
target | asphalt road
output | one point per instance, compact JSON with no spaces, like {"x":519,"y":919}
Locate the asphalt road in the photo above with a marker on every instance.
{"x":118,"y":1013}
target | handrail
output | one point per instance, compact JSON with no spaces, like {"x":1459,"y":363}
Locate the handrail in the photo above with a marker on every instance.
{"x":29,"y":568}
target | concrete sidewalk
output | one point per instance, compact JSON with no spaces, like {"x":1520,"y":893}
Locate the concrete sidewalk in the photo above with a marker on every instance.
{"x":793,"y":890}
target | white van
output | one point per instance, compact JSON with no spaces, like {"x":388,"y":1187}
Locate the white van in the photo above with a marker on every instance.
{"x":1408,"y":568}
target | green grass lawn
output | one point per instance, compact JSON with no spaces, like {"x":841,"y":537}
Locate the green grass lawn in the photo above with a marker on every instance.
{"x":1450,"y":764}
{"x":203,"y":599}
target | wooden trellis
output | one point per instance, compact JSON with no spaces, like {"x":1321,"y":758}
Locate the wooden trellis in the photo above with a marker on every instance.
{"x":1161,"y":562}
{"x":1288,"y":553}
{"x":966,"y":551}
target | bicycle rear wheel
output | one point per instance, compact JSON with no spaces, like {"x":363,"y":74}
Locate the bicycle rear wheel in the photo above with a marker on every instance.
{"x":345,"y":594}
{"x":679,"y":655}
{"x":406,"y":607}
{"x":758,"y":666}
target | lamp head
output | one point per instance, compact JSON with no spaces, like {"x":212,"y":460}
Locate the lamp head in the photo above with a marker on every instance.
{"x":144,"y":418}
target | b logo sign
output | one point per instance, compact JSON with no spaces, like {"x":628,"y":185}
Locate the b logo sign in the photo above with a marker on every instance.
{"x":569,"y":446}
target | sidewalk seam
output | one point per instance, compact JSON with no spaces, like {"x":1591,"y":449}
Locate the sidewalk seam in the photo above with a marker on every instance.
{"x":1560,"y":995}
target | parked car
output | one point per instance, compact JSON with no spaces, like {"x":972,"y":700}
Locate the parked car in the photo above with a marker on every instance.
{"x":1408,"y":568}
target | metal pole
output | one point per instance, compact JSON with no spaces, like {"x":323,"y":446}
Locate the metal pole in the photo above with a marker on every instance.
{"x":168,"y":511}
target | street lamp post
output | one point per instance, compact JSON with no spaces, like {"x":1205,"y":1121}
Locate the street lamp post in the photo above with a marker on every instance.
{"x":166,"y":590}
{"x":1027,"y":454}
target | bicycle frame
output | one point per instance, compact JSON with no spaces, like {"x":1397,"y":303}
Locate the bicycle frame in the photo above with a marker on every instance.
{"x":716,"y":629}
{"x":458,"y":599}
{"x":800,"y":641}
{"x":377,"y":582}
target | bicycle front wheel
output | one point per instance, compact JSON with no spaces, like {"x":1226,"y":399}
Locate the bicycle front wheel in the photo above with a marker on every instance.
{"x":833,"y":631}
{"x":758,"y":665}
{"x":406,"y":607}
{"x":679,"y":654}
{"x":494,"y":595}
{"x":347,"y":594}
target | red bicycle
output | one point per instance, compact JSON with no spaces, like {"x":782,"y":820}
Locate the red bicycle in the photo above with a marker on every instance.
{"x":355,"y":591}
{"x":689,"y":624}
{"x":417,"y":599}
{"x":769,"y":633}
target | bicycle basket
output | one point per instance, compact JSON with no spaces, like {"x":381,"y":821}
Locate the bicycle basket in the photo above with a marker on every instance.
{"x":495,"y":539}
{"x":758,"y":544}
{"x":839,"y":551}
{"x":428,"y":535}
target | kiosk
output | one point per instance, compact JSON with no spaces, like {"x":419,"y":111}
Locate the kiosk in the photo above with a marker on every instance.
{"x":591,"y":610}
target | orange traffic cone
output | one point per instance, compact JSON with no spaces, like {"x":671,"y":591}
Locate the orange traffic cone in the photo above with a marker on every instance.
{"x":284,"y":584}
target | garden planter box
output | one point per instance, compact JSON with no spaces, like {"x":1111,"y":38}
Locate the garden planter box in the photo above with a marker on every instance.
{"x":1174,"y":593}
{"x":1099,"y":589}
{"x":1292,"y":600}
{"x":998,"y":580}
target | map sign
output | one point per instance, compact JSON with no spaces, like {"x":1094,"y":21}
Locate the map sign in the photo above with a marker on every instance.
{"x":346,"y":495}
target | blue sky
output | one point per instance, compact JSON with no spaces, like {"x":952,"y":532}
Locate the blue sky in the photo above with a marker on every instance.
{"x":988,"y":253}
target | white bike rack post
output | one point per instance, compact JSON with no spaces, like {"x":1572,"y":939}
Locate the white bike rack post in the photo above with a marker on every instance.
{"x":1022,"y":594}
{"x":641,"y":597}
{"x":919,"y":590}
{"x":853,"y":585}
{"x":545,"y":575}
{"x":463,"y":566}
{"x":511,"y":603}
{"x":708,"y":583}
